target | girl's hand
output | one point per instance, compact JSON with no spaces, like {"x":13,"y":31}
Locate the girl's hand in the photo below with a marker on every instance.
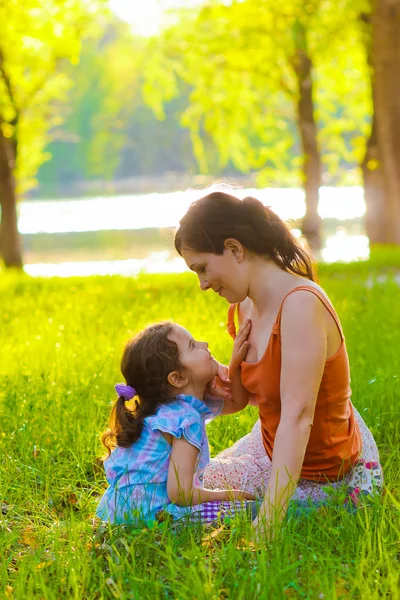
{"x":220,"y":386}
{"x":223,"y":374}
{"x":239,"y":495}
{"x":241,"y":345}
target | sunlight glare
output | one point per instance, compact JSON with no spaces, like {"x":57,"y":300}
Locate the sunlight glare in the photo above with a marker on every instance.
{"x":165,"y":210}
{"x":147,"y":17}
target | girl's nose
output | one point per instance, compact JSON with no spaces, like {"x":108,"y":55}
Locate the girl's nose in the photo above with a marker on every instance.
{"x":204,"y":285}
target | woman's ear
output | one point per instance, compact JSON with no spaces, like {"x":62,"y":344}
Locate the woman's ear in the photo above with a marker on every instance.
{"x":177,"y":379}
{"x":235,"y":248}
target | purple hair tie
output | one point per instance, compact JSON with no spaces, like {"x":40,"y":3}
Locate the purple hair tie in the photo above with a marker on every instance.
{"x":126,"y":391}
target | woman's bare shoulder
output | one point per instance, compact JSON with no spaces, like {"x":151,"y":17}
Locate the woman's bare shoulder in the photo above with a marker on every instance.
{"x":245,"y":307}
{"x":308,"y":283}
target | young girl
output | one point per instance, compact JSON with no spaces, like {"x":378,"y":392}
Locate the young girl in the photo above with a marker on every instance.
{"x":158,"y":449}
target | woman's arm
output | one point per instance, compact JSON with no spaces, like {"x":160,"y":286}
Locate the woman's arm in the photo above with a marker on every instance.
{"x":304,"y":347}
{"x":240,"y":396}
{"x":180,"y":488}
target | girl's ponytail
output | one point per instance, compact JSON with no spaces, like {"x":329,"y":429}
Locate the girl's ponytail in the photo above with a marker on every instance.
{"x":125,"y":426}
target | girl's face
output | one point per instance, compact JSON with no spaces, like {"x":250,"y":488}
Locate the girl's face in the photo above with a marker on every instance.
{"x":199,"y":365}
{"x":226,"y":274}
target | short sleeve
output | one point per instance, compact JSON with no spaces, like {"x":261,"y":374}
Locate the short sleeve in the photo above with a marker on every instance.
{"x":179,"y":425}
{"x":215,"y":405}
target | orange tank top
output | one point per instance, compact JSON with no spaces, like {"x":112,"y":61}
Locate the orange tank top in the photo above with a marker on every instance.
{"x":335,"y":440}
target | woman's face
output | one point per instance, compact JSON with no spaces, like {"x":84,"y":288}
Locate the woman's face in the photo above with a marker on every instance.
{"x":225,"y":274}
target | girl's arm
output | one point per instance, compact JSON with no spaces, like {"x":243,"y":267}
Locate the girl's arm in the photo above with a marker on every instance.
{"x":180,"y":488}
{"x":304,"y":347}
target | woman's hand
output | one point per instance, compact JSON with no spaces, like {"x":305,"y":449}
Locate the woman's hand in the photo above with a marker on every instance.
{"x":240,"y":346}
{"x":262,"y":532}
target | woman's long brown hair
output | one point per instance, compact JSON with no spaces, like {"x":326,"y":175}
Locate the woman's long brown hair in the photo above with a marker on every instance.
{"x":219,"y":216}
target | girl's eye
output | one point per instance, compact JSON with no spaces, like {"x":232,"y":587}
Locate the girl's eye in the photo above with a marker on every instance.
{"x":202,"y":269}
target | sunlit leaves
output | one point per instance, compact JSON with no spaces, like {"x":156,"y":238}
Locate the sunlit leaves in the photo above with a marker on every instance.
{"x":113,"y":86}
{"x":37,"y":38}
{"x":239,"y":60}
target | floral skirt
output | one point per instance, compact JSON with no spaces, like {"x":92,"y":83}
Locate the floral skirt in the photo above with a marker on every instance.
{"x":246,"y":466}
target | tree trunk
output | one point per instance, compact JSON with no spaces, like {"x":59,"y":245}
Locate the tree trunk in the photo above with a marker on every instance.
{"x":311,"y":226}
{"x":10,"y":244}
{"x":376,"y":217}
{"x":386,"y":55}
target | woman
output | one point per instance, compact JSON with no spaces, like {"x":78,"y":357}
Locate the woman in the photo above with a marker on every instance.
{"x":296,"y":368}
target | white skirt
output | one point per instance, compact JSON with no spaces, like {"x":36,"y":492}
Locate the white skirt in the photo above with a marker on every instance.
{"x":246,"y":466}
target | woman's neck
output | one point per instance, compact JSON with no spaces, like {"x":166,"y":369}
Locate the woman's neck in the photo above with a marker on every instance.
{"x":268,"y":284}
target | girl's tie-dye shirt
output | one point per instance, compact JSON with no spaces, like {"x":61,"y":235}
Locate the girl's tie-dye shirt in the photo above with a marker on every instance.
{"x":137,"y":476}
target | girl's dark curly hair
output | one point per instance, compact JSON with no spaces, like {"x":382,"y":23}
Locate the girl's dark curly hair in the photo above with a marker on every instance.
{"x":147,"y":361}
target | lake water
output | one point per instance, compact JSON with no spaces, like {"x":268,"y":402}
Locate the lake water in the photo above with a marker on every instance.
{"x":165,"y":210}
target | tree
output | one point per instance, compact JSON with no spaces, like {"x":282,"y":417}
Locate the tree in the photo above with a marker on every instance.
{"x":302,"y":66}
{"x":260,"y":72}
{"x":386,"y":61}
{"x":36,"y":39}
{"x":374,"y":193}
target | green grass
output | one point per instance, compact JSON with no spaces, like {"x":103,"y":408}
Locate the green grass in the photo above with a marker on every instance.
{"x":61,"y":342}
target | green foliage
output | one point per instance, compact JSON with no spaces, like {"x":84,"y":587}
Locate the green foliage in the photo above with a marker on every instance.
{"x":239,"y":60}
{"x":37,"y":39}
{"x":225,"y":71}
{"x":106,"y":89}
{"x":109,"y":132}
{"x":222,"y":83}
{"x":59,"y":359}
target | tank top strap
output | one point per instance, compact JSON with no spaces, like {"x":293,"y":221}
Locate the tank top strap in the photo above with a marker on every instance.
{"x":231,"y":320}
{"x":308,"y":288}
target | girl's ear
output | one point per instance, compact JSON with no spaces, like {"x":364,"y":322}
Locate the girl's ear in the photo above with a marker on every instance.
{"x":177,"y":379}
{"x":235,"y":248}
